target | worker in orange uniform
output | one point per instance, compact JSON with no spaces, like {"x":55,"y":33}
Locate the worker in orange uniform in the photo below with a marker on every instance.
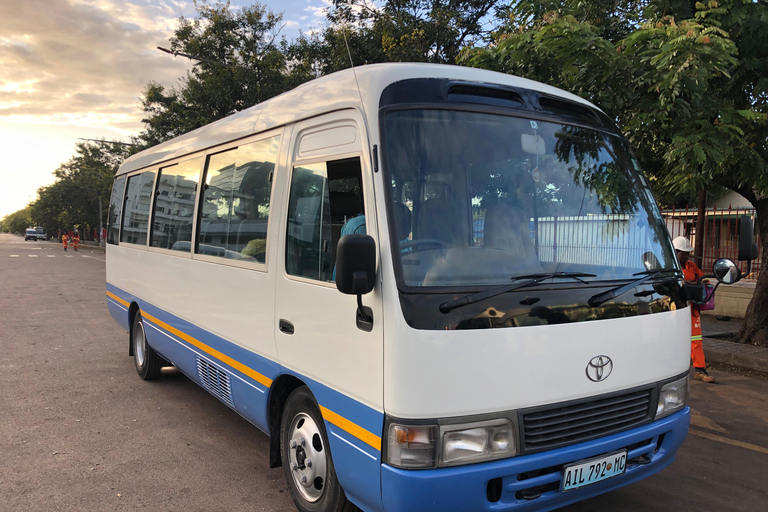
{"x":75,"y":240}
{"x":691,"y":274}
{"x":64,"y":240}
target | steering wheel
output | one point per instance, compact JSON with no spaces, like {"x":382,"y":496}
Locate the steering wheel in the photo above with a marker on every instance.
{"x":425,"y":243}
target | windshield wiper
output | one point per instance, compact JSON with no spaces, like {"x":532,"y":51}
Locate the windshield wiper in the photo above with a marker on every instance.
{"x":449,"y":306}
{"x":549,"y":275}
{"x":603,"y":297}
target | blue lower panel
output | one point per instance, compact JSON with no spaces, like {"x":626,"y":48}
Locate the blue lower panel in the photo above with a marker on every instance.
{"x":245,"y":395}
{"x":465,"y":489}
{"x":119,"y":313}
{"x":357,"y":469}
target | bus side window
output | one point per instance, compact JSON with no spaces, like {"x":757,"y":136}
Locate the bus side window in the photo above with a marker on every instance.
{"x":326,"y":203}
{"x":236,"y":200}
{"x":138,"y":198}
{"x":115,"y":205}
{"x":175,"y":205}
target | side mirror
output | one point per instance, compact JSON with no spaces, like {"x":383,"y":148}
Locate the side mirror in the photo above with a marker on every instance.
{"x":356,"y":264}
{"x":726,"y":271}
{"x":356,"y":273}
{"x":747,"y":246}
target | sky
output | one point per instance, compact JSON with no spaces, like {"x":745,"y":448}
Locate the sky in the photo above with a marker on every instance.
{"x":72,"y":69}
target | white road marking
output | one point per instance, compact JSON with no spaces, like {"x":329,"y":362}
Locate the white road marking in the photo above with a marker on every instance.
{"x":67,"y":255}
{"x":51,"y":255}
{"x":32,"y":255}
{"x":14,"y":255}
{"x":93,"y":258}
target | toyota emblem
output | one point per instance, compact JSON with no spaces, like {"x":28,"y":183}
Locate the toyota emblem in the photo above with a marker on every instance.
{"x":599,"y":368}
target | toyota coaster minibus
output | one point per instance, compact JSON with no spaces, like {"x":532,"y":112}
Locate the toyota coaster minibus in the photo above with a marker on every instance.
{"x":434,"y":288}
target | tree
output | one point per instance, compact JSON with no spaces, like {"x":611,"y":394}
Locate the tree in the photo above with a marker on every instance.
{"x":239,"y":62}
{"x":406,"y":30}
{"x":17,"y":221}
{"x":72,"y":201}
{"x":688,"y":85}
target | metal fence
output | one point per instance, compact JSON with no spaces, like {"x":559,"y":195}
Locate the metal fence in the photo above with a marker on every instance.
{"x":594,"y":239}
{"x":720,"y":237}
{"x":608,"y":239}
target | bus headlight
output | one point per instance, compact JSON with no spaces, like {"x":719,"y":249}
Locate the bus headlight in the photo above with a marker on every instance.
{"x":672,"y":397}
{"x":428,"y":446}
{"x":478,"y":442}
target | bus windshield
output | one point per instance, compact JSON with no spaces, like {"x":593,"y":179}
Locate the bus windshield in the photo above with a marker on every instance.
{"x":482,"y":199}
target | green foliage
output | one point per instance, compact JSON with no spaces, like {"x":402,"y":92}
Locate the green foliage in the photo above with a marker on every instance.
{"x":409,"y":30}
{"x":690,"y":94}
{"x":72,"y":202}
{"x":17,"y":222}
{"x":239,"y":62}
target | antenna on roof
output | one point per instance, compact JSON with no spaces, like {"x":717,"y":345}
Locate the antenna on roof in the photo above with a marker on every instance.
{"x":360,"y":94}
{"x":109,"y":142}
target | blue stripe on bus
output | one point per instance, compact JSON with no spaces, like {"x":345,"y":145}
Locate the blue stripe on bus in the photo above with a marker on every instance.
{"x":341,"y":404}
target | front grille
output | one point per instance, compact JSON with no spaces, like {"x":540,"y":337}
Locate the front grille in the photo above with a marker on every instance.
{"x":214,"y":380}
{"x":574,"y":422}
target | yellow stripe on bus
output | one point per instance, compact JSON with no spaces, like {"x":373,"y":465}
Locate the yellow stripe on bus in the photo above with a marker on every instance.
{"x":266,"y":381}
{"x":351,"y":428}
{"x":118,"y":299}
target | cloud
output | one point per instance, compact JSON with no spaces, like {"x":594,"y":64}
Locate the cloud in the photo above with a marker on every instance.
{"x":85,"y":62}
{"x":319,"y":12}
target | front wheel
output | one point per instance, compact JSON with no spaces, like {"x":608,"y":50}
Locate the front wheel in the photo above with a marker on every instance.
{"x":148,"y":363}
{"x":307,"y":463}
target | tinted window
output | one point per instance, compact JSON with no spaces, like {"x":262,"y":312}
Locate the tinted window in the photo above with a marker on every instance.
{"x":138,"y":198}
{"x":480,"y":198}
{"x":115,"y":203}
{"x":326,"y":203}
{"x":175,"y":205}
{"x":234,"y":207}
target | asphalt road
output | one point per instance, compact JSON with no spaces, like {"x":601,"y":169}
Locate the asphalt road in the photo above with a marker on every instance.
{"x":80,"y":431}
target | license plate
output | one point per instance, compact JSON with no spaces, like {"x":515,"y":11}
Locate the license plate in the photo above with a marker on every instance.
{"x":594,"y":470}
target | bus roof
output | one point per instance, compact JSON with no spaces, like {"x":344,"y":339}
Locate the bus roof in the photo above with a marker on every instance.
{"x":325,"y":94}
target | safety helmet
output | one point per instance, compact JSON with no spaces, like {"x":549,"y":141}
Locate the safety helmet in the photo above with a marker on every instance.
{"x":682,"y":244}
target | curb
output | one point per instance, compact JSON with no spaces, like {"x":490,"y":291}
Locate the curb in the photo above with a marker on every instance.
{"x":748,"y":357}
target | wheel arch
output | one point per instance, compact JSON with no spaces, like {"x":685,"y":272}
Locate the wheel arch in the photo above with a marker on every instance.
{"x":279,"y":391}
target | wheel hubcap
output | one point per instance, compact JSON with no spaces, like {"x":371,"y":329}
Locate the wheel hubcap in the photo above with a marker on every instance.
{"x":307,"y":457}
{"x":139,"y":343}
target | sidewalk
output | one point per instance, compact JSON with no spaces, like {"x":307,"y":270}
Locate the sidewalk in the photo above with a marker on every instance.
{"x":718,"y":349}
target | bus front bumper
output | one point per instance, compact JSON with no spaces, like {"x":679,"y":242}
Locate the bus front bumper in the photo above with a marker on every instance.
{"x":466,"y":488}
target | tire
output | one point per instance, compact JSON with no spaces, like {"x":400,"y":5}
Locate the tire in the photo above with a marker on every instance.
{"x":148,"y":363}
{"x":314,"y":486}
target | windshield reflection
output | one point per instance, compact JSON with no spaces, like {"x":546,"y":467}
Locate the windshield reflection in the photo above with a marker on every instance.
{"x":477,"y":199}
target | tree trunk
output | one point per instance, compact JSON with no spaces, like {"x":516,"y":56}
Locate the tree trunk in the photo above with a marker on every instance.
{"x":755,"y":328}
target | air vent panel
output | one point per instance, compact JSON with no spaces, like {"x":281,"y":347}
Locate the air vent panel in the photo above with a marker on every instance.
{"x":215,"y":380}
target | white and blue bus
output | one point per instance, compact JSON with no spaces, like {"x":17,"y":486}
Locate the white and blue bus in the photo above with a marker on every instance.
{"x":434,"y":288}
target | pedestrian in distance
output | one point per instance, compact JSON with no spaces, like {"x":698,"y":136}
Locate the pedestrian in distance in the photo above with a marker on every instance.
{"x":691,"y":274}
{"x":75,"y":240}
{"x":64,"y":240}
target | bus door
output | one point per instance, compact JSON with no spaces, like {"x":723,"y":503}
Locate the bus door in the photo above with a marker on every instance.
{"x":329,"y":195}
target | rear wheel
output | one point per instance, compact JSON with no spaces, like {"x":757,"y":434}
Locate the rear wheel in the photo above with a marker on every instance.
{"x":307,"y":462}
{"x":148,"y":363}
